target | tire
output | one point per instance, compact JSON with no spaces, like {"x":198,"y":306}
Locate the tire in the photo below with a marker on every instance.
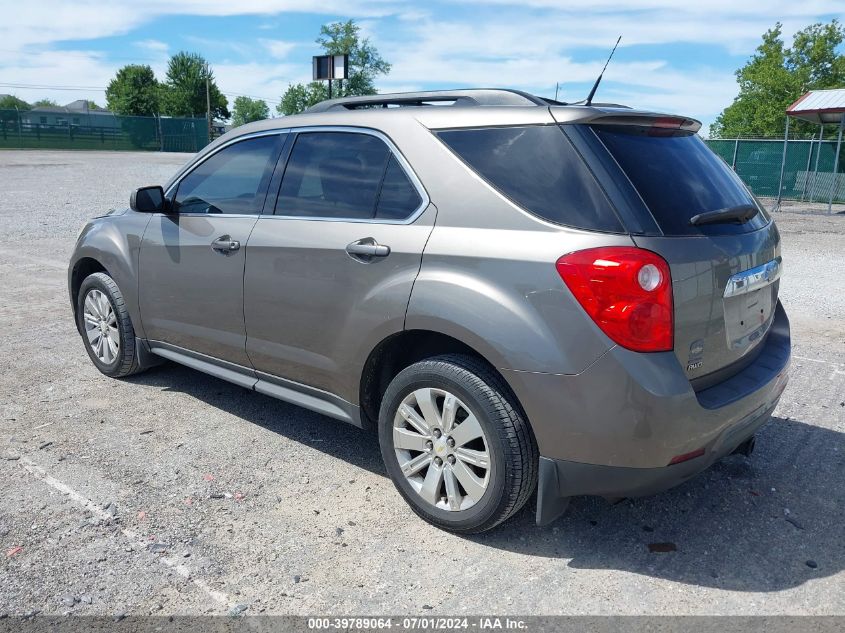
{"x":507,"y":444}
{"x":125,"y":361}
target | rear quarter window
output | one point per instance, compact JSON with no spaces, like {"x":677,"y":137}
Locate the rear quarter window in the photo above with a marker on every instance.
{"x":538,"y":169}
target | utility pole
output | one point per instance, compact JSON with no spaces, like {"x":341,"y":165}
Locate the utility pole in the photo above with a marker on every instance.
{"x":207,"y":102}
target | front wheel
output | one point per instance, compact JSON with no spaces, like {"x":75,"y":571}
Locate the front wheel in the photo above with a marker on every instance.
{"x":106,"y":327}
{"x":455,"y":444}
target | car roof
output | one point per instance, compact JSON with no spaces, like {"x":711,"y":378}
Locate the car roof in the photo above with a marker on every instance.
{"x":454,"y":109}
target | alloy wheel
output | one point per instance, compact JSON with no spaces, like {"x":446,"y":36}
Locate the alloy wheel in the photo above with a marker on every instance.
{"x":101,"y":326}
{"x":441,"y":449}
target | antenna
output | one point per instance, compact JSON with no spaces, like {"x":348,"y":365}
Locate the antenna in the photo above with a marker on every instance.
{"x":598,"y":81}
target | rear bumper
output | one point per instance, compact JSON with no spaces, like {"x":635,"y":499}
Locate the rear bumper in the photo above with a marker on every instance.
{"x":561,"y":479}
{"x":613,"y":429}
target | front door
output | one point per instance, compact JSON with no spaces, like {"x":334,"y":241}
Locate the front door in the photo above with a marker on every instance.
{"x":330,"y":273}
{"x":192,"y":259}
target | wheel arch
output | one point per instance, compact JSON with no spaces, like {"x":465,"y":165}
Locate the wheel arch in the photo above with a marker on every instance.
{"x":81,"y":269}
{"x":398,"y":351}
{"x":111,"y":245}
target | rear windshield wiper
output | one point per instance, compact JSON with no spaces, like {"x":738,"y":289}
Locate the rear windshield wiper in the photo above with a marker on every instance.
{"x":740,"y":214}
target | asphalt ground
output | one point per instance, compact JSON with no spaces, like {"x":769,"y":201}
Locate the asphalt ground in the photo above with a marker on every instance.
{"x":175,"y":493}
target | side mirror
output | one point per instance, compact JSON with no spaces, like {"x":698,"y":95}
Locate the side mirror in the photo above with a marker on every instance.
{"x":148,"y":200}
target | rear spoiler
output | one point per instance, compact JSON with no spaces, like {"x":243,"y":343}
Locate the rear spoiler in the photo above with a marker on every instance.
{"x":661,"y":122}
{"x":620,"y":116}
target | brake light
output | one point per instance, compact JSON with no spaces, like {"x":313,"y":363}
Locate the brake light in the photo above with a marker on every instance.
{"x":627,"y":291}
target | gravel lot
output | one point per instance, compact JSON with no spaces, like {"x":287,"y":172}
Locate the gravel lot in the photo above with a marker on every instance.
{"x":175,"y":493}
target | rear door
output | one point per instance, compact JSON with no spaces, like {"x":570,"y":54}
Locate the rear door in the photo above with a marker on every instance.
{"x":192,"y":258}
{"x":725,"y":267}
{"x":329,"y":274}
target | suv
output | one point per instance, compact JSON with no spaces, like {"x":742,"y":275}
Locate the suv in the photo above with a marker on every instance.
{"x":518,"y":294}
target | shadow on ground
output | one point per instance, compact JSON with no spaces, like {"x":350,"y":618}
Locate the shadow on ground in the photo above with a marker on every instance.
{"x":763,"y":524}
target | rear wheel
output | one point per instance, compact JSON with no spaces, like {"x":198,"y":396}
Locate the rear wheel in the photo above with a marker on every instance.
{"x":455,"y":445}
{"x":106,"y":327}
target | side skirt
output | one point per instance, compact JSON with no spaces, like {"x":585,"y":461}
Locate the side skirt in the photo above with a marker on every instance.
{"x":293,"y":392}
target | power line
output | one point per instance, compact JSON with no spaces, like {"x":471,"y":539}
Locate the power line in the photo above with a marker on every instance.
{"x":235,"y":94}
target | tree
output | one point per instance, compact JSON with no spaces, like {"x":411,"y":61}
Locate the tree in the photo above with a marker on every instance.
{"x":247,"y":110}
{"x":11,"y":102}
{"x":776,"y":76}
{"x":184,"y":91}
{"x":364,"y":60}
{"x":134,"y":91}
{"x":45,"y":103}
{"x":298,"y":97}
{"x":365,"y":65}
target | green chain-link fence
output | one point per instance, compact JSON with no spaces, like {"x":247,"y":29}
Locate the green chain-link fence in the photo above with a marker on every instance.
{"x":808,"y":169}
{"x":99,"y":130}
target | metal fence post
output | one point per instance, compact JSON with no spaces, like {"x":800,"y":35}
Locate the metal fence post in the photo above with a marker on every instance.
{"x":736,"y":147}
{"x":816,"y":168}
{"x":836,"y":164}
{"x":807,"y":168}
{"x":782,"y":164}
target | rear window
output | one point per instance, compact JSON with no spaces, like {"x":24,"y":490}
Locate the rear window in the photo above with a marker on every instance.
{"x":538,"y":169}
{"x":678,"y":177}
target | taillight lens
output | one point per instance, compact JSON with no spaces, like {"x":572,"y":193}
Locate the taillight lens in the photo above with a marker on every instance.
{"x":628,"y":293}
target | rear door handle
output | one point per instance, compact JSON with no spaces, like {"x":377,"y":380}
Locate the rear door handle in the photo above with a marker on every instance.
{"x":225,"y":244}
{"x":367,"y":248}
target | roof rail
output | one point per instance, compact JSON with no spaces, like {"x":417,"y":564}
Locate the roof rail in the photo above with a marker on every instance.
{"x":465,"y":97}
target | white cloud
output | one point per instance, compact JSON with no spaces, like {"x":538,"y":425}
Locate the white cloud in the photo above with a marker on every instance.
{"x":278,"y":48}
{"x":528,"y":44}
{"x":258,"y":80}
{"x":531,"y":44}
{"x":48,"y":21}
{"x":154,"y":46}
{"x":721,"y":9}
{"x":67,"y":68}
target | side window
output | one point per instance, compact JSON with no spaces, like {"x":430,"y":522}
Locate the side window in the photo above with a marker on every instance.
{"x":538,"y":169}
{"x":233,"y":181}
{"x":341,"y":175}
{"x":398,"y":198}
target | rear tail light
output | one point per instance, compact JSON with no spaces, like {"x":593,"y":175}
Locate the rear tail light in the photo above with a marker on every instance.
{"x":627,"y":291}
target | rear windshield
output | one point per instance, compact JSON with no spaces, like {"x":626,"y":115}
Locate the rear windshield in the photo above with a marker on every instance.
{"x":678,"y":177}
{"x":538,"y":168}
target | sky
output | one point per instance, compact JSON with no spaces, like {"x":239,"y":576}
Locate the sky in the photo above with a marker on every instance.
{"x":674,"y":56}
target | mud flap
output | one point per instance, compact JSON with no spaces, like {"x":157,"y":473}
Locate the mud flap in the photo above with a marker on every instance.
{"x":146,"y":359}
{"x":550,"y":504}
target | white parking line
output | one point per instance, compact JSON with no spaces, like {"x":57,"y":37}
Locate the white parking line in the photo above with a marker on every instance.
{"x":818,"y":360}
{"x":836,"y":372}
{"x":172,"y":563}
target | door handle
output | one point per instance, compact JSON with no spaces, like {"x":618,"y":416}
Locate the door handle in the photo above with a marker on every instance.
{"x":225,"y":244}
{"x":367,"y":248}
